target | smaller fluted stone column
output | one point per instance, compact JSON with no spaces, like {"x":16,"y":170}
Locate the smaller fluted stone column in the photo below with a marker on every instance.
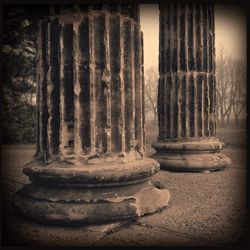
{"x":186,"y":101}
{"x":90,"y":165}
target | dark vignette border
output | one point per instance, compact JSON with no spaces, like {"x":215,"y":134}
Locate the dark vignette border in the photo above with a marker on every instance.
{"x":243,"y":3}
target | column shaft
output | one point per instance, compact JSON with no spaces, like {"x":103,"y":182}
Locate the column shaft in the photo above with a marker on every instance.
{"x":186,"y":73}
{"x":91,"y":166}
{"x":97,"y":80}
{"x":186,"y":100}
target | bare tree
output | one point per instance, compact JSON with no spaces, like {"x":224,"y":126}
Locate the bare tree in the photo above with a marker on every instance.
{"x":239,"y":89}
{"x":224,"y":88}
{"x":151,"y":83}
{"x":231,"y":86}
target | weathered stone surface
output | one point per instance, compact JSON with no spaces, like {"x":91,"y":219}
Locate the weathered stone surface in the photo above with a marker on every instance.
{"x":90,"y":165}
{"x":76,"y":206}
{"x":92,"y":175}
{"x":186,"y":100}
{"x":198,"y":213}
{"x":91,"y":86}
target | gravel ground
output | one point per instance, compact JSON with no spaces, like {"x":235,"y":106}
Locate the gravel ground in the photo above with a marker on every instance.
{"x":205,"y":210}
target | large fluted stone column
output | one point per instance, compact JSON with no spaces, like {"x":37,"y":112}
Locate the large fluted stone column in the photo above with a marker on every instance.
{"x":186,"y":101}
{"x":90,"y":165}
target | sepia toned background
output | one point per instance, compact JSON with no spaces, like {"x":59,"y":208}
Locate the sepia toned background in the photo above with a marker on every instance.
{"x":205,"y":209}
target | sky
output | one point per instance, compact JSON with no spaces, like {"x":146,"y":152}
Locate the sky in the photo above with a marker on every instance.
{"x":230,"y":31}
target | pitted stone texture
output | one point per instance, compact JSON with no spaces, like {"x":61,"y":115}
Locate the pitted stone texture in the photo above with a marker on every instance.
{"x":76,"y":206}
{"x":129,"y":10}
{"x":192,"y":162}
{"x":187,"y":90}
{"x":198,"y":145}
{"x":90,"y":166}
{"x":90,"y":87}
{"x":91,"y":175}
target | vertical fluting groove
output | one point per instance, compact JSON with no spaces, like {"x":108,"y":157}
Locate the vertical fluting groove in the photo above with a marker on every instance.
{"x":66,"y":89}
{"x":179,"y":39}
{"x":186,"y":32}
{"x":182,"y":38}
{"x":207,"y":106}
{"x":171,"y":38}
{"x":167,"y":84}
{"x":187,"y":105}
{"x":203,"y":103}
{"x":198,"y":38}
{"x":192,"y":105}
{"x":200,"y":104}
{"x":53,"y":88}
{"x":183,"y":107}
{"x":208,"y":27}
{"x":77,"y":89}
{"x":167,"y":37}
{"x":208,"y":45}
{"x":138,"y":96}
{"x":172,"y":106}
{"x":214,"y":106}
{"x":211,"y":122}
{"x":179,"y":105}
{"x":43,"y":91}
{"x":141,"y":91}
{"x":194,"y":37}
{"x":210,"y":40}
{"x":122,"y":89}
{"x":84,"y":80}
{"x":213,"y":71}
{"x":143,"y":96}
{"x":38,"y":87}
{"x":132,"y":76}
{"x":201,"y":39}
{"x":205,"y":31}
{"x":195,"y":97}
{"x":99,"y":85}
{"x":189,"y":19}
{"x":107,"y":91}
{"x":127,"y":81}
{"x":163,"y":92}
{"x":186,"y":93}
{"x":175,"y":39}
{"x":115,"y":84}
{"x":92,"y":94}
{"x":162,"y":88}
{"x":49,"y":86}
{"x":168,"y":110}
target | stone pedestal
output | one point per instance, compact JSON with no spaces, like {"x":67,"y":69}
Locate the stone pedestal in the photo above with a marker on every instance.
{"x":187,"y":138}
{"x":90,"y":166}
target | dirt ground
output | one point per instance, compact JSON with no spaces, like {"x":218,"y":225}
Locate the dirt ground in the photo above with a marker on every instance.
{"x":206,"y":209}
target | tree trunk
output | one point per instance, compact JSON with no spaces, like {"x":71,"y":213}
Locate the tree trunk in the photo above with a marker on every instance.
{"x":236,"y":120}
{"x":228,"y":119}
{"x":222,"y":121}
{"x":155,"y":117}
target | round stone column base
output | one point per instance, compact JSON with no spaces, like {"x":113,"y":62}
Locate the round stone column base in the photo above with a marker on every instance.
{"x":89,"y":206}
{"x":192,"y":162}
{"x":90,"y":194}
{"x":194,"y":156}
